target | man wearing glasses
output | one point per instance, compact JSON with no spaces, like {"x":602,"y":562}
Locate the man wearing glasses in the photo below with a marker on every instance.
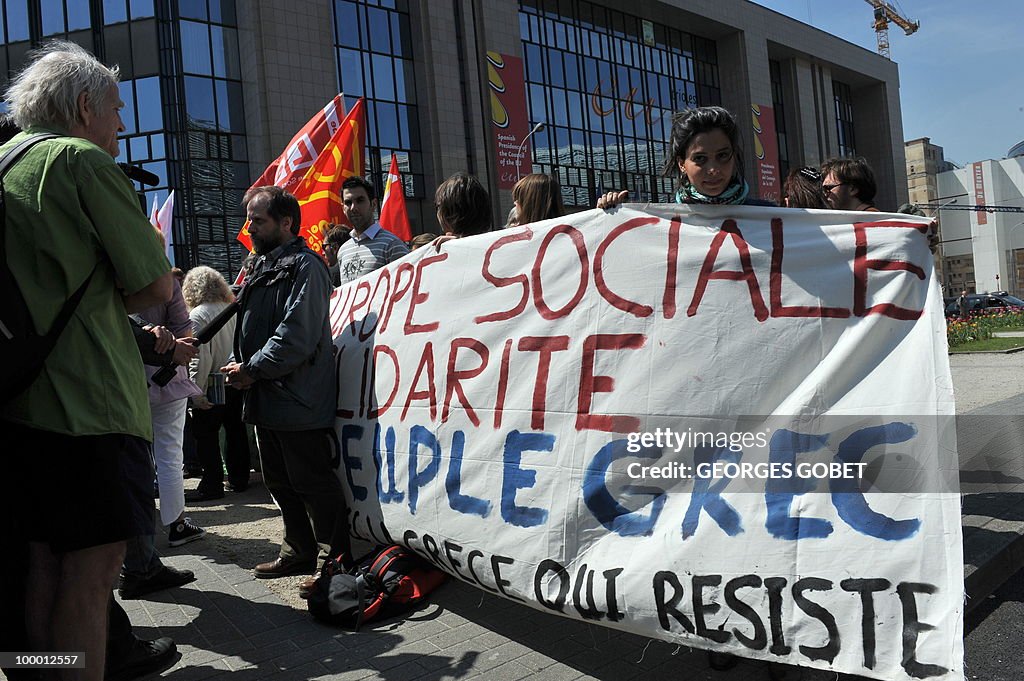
{"x":849,"y":184}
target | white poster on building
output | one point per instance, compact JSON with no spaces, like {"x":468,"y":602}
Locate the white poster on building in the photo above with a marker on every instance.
{"x":725,"y":427}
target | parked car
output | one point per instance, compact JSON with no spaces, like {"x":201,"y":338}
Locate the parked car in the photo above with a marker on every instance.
{"x":984,"y":302}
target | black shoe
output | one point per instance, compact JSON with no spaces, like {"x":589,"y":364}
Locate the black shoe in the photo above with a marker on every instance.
{"x":236,"y":486}
{"x":194,"y":495}
{"x":144,"y":658}
{"x":131,"y":588}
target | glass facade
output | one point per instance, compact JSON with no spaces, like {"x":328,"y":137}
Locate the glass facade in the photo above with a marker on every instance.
{"x":844,"y":119}
{"x":606,"y":84}
{"x":779,"y":106}
{"x":211,"y":149}
{"x":374,"y":55}
{"x":167,"y":52}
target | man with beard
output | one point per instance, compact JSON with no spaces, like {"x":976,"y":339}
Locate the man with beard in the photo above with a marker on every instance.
{"x":285,"y":364}
{"x":849,"y":184}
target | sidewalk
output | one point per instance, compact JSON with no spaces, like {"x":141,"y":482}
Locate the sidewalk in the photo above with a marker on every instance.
{"x":229,"y":623}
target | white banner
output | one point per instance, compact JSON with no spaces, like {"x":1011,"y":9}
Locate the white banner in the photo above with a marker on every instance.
{"x":725,"y":427}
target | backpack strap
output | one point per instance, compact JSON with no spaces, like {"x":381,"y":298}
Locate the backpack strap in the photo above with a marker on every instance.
{"x":13,"y":154}
{"x":71,"y":303}
{"x":383,"y":562}
{"x":46,"y":342}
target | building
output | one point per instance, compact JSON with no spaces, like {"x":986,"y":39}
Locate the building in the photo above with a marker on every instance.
{"x":216,"y":88}
{"x":924,"y":163}
{"x":983,"y":250}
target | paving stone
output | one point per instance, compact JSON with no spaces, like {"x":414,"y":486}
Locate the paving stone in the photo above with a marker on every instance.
{"x":407,"y":671}
{"x":288,"y":633}
{"x":262,"y":653}
{"x":402,"y":654}
{"x":187,"y":670}
{"x":306,"y":672}
{"x":195,"y":657}
{"x":251,"y":589}
{"x":341,"y":671}
{"x":304,"y":655}
{"x":536,"y":662}
{"x":496,"y":656}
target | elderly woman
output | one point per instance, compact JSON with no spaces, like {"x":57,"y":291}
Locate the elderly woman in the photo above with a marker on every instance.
{"x":168,"y":404}
{"x":207,"y":294}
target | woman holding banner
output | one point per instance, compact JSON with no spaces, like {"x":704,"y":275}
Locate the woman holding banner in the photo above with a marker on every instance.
{"x":537,"y":197}
{"x":706,"y":160}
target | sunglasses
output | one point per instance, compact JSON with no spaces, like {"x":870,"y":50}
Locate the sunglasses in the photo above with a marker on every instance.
{"x":811,"y":174}
{"x":829,"y":187}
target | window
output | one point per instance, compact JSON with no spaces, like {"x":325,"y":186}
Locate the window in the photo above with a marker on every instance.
{"x":375,"y":61}
{"x":779,"y":106}
{"x":843,"y":100}
{"x":585,"y":67}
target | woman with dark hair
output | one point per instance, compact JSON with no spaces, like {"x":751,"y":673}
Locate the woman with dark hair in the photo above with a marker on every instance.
{"x":537,"y":197}
{"x":463,"y":206}
{"x":802,"y":189}
{"x":705,"y":158}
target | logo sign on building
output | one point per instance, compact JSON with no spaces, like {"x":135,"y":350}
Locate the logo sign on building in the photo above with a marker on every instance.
{"x":725,"y":427}
{"x":766,"y":152}
{"x":979,"y":192}
{"x":509,"y":123}
{"x":648,"y":27}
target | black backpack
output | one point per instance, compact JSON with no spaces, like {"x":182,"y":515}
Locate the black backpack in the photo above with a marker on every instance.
{"x":26,"y":349}
{"x":386,"y":582}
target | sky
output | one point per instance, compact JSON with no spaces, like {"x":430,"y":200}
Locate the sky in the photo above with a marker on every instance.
{"x":961,"y":74}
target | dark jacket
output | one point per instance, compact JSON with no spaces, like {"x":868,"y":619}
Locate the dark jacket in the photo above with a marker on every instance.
{"x":283,"y":338}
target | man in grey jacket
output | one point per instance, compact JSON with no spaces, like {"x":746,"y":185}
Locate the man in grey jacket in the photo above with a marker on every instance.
{"x":285,"y":365}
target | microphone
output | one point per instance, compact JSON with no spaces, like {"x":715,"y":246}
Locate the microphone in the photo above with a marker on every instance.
{"x":139,"y":174}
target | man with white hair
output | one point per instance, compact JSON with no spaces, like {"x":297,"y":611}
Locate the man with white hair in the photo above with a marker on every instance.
{"x":75,"y":440}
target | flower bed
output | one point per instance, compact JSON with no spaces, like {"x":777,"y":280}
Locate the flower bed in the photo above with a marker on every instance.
{"x":979,"y":326}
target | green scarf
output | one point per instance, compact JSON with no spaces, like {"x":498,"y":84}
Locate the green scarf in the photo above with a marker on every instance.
{"x":734,"y":194}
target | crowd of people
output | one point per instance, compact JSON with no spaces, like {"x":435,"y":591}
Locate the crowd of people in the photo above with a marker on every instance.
{"x":88,"y":438}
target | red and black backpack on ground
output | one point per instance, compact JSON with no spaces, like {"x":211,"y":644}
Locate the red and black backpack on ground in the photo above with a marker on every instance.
{"x":386,"y":582}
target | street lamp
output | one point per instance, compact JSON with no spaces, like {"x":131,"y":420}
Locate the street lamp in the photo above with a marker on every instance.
{"x":536,"y":128}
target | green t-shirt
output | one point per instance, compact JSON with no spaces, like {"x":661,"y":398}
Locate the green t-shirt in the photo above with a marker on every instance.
{"x":70,"y":207}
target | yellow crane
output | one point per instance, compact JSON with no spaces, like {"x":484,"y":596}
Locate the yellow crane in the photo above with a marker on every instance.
{"x":884,"y":13}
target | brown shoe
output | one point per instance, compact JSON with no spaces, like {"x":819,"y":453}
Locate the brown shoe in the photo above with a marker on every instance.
{"x":279,"y":567}
{"x":307,"y":585}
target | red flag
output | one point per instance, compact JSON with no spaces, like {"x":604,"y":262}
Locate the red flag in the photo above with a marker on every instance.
{"x":288,"y":169}
{"x":319,"y":193}
{"x":393,"y":216}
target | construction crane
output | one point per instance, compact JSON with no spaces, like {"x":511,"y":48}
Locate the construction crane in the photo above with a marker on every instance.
{"x":884,"y":13}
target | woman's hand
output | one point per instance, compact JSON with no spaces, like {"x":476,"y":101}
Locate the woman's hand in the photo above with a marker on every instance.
{"x":436,"y":243}
{"x":200,"y":402}
{"x":933,"y":236}
{"x":612,"y":199}
{"x":184,"y":351}
{"x":164,"y":338}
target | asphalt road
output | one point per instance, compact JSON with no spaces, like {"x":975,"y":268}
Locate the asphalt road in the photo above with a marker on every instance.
{"x":994,"y":631}
{"x":994,"y":635}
